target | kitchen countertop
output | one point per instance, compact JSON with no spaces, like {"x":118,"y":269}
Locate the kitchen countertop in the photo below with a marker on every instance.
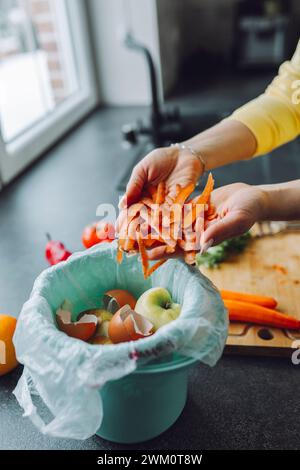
{"x":242,"y":403}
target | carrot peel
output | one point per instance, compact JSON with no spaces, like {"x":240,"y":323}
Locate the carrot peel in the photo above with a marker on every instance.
{"x":155,"y":267}
{"x":165,"y":221}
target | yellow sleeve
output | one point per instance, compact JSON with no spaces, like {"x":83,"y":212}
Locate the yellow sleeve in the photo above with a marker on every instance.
{"x":274,"y":117}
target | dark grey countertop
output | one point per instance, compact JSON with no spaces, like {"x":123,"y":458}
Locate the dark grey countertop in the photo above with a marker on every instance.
{"x":241,"y":403}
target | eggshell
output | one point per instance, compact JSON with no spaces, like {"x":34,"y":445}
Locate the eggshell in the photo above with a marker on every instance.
{"x":123,"y":297}
{"x":117,"y":330}
{"x":82,"y":329}
{"x":138,"y":326}
{"x":127,"y":325}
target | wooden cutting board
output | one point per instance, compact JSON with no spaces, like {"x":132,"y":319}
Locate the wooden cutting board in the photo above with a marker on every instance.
{"x":269,"y":266}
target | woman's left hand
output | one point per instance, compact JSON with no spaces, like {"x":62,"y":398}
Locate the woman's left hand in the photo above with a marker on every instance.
{"x":238,"y":207}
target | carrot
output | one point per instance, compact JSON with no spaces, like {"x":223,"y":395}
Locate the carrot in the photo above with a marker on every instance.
{"x":178,"y":189}
{"x":119,"y":255}
{"x":144,"y":256}
{"x":160,"y":195}
{"x":156,"y":237}
{"x":253,"y":313}
{"x":129,"y":244}
{"x":184,"y":194}
{"x":205,"y":196}
{"x":152,"y":190}
{"x":203,"y":199}
{"x":165,"y":215}
{"x":211,"y":213}
{"x":134,"y":211}
{"x":189,"y":257}
{"x":132,"y":229}
{"x":147,"y":201}
{"x":170,"y":200}
{"x":149,"y":242}
{"x":121,"y":243}
{"x":157,"y":220}
{"x":192,"y":215}
{"x":155,"y":267}
{"x":262,"y":300}
{"x":187,"y":245}
{"x":175,"y":214}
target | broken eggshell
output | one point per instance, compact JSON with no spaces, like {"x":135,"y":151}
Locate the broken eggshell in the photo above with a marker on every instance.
{"x":103,"y":317}
{"x":82,"y":329}
{"x":127,"y":325}
{"x":115,"y":299}
{"x":101,"y":314}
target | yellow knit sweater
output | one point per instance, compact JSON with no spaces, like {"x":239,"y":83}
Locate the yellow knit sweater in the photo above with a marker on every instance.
{"x":274,"y":117}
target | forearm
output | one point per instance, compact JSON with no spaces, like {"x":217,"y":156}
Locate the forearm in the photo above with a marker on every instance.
{"x":259,"y":126}
{"x":281,"y":201}
{"x":226,"y":142}
{"x":274,"y":117}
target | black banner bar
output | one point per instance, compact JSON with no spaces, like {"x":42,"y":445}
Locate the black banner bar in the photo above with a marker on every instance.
{"x":141,"y":459}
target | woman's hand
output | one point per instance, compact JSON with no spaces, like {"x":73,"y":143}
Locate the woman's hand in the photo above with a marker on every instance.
{"x":238,"y":207}
{"x":169,"y":164}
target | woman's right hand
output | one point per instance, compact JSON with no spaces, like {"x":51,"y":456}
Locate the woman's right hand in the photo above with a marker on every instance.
{"x":169,"y":164}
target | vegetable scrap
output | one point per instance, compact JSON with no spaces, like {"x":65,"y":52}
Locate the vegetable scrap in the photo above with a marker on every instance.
{"x":172,"y":223}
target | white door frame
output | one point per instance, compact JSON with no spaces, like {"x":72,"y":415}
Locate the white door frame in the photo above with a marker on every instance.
{"x":3,"y":156}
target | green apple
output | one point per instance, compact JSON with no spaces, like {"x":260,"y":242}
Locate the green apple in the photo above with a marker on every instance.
{"x":104,"y":318}
{"x":156,"y":304}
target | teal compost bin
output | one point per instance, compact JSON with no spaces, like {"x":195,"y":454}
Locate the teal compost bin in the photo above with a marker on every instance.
{"x":145,"y":403}
{"x":148,"y":397}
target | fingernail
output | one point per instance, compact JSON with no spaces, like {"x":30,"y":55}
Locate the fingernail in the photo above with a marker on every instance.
{"x":123,"y":202}
{"x":206,"y":245}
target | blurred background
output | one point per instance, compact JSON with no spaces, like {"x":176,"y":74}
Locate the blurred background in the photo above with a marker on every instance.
{"x":207,"y":56}
{"x":93,"y":85}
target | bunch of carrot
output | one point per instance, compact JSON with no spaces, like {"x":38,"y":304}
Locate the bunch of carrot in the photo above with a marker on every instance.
{"x":161,"y":220}
{"x":257,"y":309}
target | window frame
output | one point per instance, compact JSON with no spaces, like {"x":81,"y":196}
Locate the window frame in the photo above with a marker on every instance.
{"x":30,"y":145}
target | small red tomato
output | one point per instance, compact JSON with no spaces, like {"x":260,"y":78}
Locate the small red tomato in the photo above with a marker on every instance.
{"x":98,"y":232}
{"x":56,"y":251}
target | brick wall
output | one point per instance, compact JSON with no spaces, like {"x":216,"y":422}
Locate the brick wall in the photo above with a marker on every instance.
{"x":43,"y":17}
{"x":45,"y":22}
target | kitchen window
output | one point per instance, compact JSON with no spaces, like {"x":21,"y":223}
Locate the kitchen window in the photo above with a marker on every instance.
{"x":46,"y":77}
